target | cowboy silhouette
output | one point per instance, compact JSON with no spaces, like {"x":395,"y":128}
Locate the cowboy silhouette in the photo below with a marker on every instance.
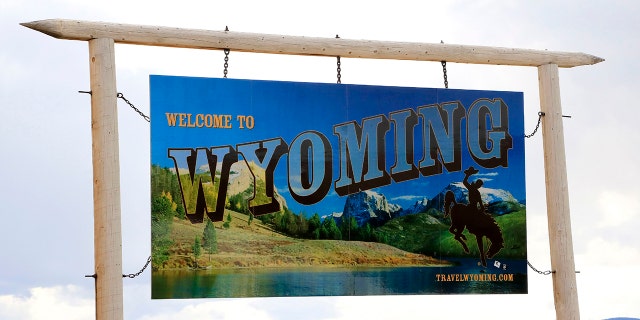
{"x":466,"y":216}
{"x":475,"y":199}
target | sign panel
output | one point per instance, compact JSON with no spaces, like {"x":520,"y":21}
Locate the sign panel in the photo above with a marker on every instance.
{"x":269,"y":189}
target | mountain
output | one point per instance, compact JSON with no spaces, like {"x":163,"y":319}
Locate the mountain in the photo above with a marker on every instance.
{"x":241,"y":181}
{"x":370,"y":207}
{"x":497,"y":201}
{"x":418,"y":207}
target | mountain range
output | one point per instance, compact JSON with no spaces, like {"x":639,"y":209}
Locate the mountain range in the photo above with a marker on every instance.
{"x":373,"y":207}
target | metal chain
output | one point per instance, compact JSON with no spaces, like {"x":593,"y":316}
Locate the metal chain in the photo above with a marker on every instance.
{"x":226,"y":62}
{"x":444,"y":71}
{"x":121,"y":96}
{"x":540,"y":115}
{"x":226,"y":57}
{"x":133,"y":275}
{"x":339,"y":69}
{"x":545,"y":273}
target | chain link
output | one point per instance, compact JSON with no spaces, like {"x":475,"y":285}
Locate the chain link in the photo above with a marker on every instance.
{"x":339,"y":69}
{"x":226,"y":57}
{"x":545,"y":273}
{"x":444,"y":71}
{"x":226,"y":62}
{"x":121,"y":96}
{"x":133,"y":275}
{"x":540,"y":115}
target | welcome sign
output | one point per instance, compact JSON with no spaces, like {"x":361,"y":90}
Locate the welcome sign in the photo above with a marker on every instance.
{"x":265,"y":188}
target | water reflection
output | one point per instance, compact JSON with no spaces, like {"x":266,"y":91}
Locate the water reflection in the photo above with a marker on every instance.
{"x":265,"y":282}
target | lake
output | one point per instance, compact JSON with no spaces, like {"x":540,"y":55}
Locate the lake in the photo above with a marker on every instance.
{"x":466,"y":277}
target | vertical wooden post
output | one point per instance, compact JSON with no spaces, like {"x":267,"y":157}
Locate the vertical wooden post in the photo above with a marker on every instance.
{"x":106,"y":180}
{"x":565,"y":291}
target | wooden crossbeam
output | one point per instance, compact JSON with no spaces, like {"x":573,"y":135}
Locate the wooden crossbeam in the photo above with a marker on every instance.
{"x":308,"y":46}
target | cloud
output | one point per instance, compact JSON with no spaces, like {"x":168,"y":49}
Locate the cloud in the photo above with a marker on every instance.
{"x":604,"y":252}
{"x":60,"y":302}
{"x":439,"y":307}
{"x":603,"y":292}
{"x":407,"y":198}
{"x":489,"y":174}
{"x":618,"y":208}
{"x":229,"y":309}
{"x":71,"y":302}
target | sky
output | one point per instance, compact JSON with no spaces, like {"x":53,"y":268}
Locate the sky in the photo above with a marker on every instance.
{"x":46,"y":236}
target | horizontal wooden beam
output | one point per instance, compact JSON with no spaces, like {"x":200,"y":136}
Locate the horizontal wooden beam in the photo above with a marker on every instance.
{"x":310,"y":46}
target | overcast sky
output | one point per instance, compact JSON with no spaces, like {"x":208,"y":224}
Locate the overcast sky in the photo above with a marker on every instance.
{"x":46,"y":233}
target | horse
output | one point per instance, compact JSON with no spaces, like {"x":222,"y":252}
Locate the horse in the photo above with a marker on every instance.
{"x":478,"y":223}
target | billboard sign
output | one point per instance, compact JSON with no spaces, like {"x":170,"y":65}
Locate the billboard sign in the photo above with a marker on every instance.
{"x":270,"y":189}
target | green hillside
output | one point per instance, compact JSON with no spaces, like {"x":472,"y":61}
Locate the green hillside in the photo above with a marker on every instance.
{"x":255,"y":246}
{"x":414,"y":233}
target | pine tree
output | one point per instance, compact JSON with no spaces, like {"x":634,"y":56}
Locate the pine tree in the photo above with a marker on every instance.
{"x":196,"y":250}
{"x":313,"y":231}
{"x":332,"y":230}
{"x":227,"y":224}
{"x":161,"y":222}
{"x":209,"y":238}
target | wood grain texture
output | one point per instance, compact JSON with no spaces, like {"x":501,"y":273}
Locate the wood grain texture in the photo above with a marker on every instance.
{"x":557,"y":192}
{"x":311,"y":46}
{"x":106,"y":180}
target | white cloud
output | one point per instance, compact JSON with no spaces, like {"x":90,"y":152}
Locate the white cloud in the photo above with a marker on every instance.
{"x":485,"y":175}
{"x":60,"y":302}
{"x":603,"y":252}
{"x":407,"y":198}
{"x":607,"y":270}
{"x":618,"y":208}
{"x":226,"y":309}
{"x":442,"y":307}
{"x":605,"y":292}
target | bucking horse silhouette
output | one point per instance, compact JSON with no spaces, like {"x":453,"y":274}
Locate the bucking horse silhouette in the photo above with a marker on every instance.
{"x":475,"y":219}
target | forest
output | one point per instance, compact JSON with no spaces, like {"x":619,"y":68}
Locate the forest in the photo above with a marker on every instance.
{"x":414,"y":233}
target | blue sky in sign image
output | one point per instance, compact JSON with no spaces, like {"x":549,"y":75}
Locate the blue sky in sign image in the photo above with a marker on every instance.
{"x":286,"y":109}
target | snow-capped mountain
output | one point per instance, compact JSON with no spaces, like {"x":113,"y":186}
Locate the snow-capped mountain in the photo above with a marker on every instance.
{"x":418,"y":207}
{"x":497,"y":201}
{"x":370,"y":206}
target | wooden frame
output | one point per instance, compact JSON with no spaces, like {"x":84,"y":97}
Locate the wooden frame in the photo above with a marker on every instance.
{"x":102,"y":36}
{"x":309,"y":46}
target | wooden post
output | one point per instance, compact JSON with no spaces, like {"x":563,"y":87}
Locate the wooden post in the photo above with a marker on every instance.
{"x":106,"y":180}
{"x":565,"y":291}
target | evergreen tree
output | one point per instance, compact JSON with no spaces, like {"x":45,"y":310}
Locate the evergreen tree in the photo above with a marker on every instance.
{"x":367,"y":233}
{"x":196,"y":250}
{"x":161,"y":220}
{"x":314,"y":227}
{"x":323,"y":232}
{"x":292,"y":228}
{"x":227,"y":224}
{"x":303,"y":225}
{"x":349,"y":228}
{"x":209,"y":238}
{"x":332,"y":230}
